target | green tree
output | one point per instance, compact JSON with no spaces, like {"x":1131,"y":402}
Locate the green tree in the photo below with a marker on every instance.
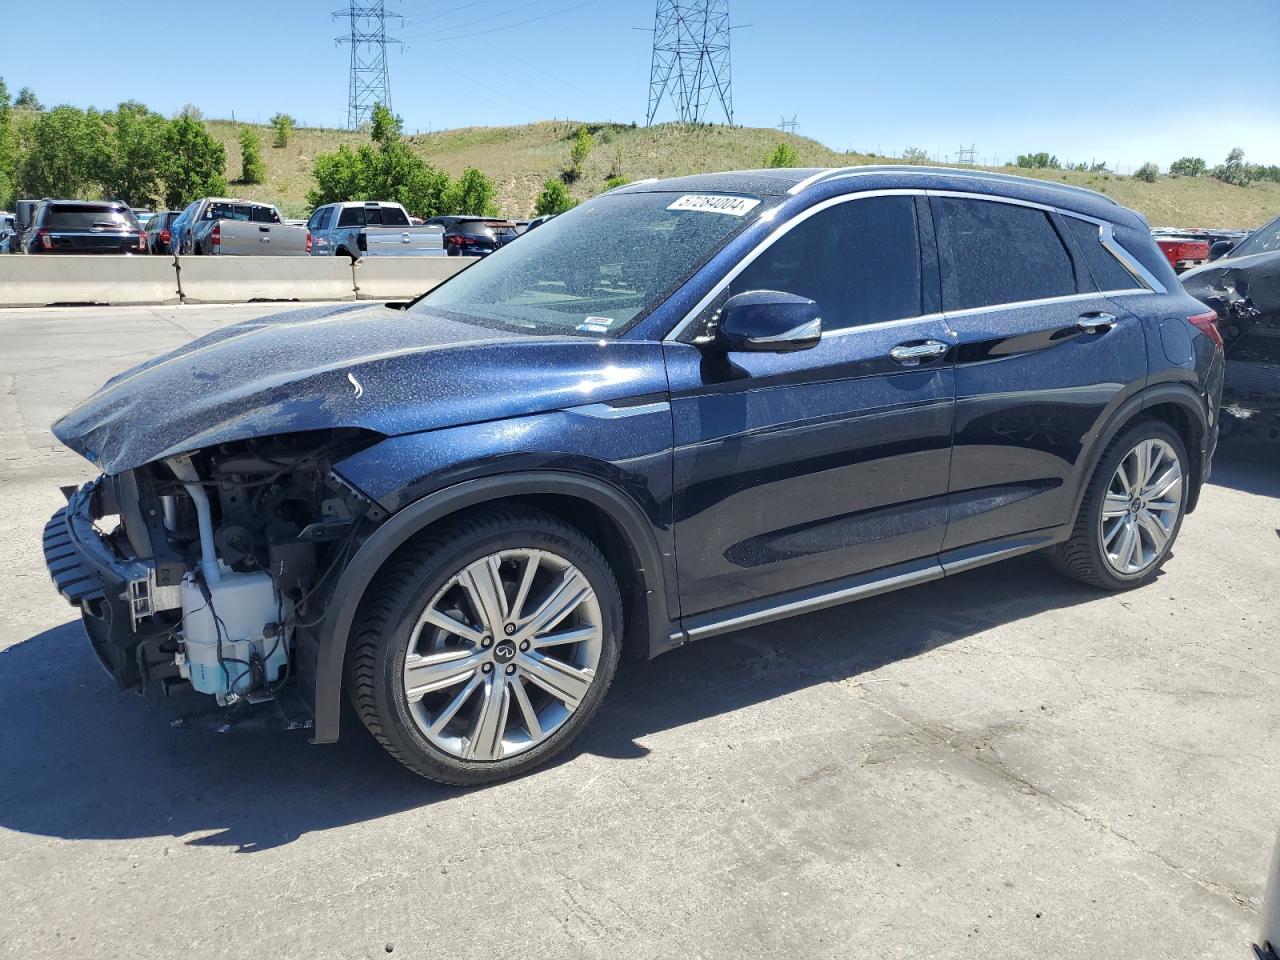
{"x":27,"y":100}
{"x":554,"y":198}
{"x":915,"y":155}
{"x":1233,"y":170}
{"x":387,"y":169}
{"x":66,"y":151}
{"x":583,"y":141}
{"x":472,"y":193}
{"x":195,"y":164}
{"x":8,"y":150}
{"x":784,"y":155}
{"x":253,"y":169}
{"x":136,"y":154}
{"x":1147,"y":173}
{"x":1188,"y":167}
{"x":283,"y":125}
{"x":1038,"y":161}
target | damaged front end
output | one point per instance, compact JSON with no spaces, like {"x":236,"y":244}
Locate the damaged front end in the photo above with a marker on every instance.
{"x":1245,"y":294}
{"x":208,"y":569}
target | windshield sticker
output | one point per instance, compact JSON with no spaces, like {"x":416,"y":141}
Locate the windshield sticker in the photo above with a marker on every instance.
{"x":595,"y":325}
{"x":710,"y":203}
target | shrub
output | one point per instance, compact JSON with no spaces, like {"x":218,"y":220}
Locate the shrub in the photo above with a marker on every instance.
{"x":1188,"y":167}
{"x":614,"y":182}
{"x":66,"y":153}
{"x":583,"y":141}
{"x":27,"y":100}
{"x":1233,"y":170}
{"x":1038,"y":161}
{"x":472,"y":193}
{"x":784,"y":155}
{"x":253,"y":169}
{"x":554,"y":198}
{"x":1147,"y":173}
{"x":915,"y":155}
{"x":282,"y":124}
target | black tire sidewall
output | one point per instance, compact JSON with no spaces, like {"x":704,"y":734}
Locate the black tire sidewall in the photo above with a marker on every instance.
{"x":1119,"y":449}
{"x":398,"y":723}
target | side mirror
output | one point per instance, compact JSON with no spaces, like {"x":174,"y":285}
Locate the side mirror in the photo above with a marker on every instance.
{"x":767,"y":321}
{"x":1220,"y":248}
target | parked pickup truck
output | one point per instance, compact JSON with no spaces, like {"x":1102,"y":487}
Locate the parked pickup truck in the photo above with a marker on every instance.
{"x":371,"y":228}
{"x":217,"y":225}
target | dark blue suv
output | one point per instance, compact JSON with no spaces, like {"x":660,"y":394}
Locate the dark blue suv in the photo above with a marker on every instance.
{"x":684,"y":408}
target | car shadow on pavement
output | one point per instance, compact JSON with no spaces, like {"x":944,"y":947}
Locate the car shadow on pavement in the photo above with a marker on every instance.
{"x":83,"y":760}
{"x":1247,"y":465}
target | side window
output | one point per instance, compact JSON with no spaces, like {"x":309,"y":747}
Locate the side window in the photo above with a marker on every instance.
{"x":858,"y":260}
{"x":317,"y":219}
{"x":991,"y":252}
{"x":394,"y":217}
{"x":351,"y":217}
{"x":1108,"y":273}
{"x":373,"y":216}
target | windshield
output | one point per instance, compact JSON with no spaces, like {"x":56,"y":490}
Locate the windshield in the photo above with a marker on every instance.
{"x":596,"y":268}
{"x":1265,"y":240}
{"x":88,"y":216}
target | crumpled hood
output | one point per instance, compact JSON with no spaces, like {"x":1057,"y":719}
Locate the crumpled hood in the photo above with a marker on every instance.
{"x":370,"y":367}
{"x":1255,"y":278}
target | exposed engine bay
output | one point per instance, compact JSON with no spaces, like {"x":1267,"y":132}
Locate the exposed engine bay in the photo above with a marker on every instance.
{"x":222,"y":558}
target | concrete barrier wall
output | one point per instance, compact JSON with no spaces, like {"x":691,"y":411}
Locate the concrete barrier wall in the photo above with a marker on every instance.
{"x":402,"y":278}
{"x":37,"y":281}
{"x":241,"y":279}
{"x":41,"y":280}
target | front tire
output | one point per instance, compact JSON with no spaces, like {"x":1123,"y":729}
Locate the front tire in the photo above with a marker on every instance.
{"x":1132,"y":510}
{"x":486,"y":646}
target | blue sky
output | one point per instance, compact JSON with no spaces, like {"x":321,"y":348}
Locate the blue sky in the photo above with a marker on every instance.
{"x":1123,"y":82}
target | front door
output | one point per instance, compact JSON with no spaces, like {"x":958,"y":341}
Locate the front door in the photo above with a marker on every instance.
{"x":796,"y":469}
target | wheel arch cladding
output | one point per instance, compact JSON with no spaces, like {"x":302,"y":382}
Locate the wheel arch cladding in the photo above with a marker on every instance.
{"x":603,"y":513}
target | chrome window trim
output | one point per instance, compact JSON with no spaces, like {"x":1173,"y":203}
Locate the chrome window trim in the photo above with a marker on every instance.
{"x":985,"y":176}
{"x":605,"y":411}
{"x":1106,"y":236}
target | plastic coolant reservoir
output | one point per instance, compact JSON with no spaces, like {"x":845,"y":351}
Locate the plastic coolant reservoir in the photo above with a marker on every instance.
{"x":244,"y":603}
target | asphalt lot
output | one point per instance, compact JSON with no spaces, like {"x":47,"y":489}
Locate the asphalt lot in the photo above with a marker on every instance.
{"x":1001,"y":764}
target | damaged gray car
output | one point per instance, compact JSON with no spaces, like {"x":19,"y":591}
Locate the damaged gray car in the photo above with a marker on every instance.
{"x":1242,"y":284}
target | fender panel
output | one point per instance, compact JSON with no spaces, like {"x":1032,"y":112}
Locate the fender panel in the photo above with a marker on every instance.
{"x":374,"y":552}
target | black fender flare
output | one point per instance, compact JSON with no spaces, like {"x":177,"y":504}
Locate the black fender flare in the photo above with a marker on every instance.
{"x":1185,"y":397}
{"x":357,"y":576}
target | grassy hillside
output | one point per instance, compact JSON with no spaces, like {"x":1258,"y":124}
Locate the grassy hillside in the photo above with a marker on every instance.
{"x":519,"y":159}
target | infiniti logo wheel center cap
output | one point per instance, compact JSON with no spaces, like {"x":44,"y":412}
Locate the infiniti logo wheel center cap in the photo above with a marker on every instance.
{"x":504,"y":652}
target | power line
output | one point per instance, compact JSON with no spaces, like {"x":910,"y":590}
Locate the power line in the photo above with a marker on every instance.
{"x":427,"y":38}
{"x":690,"y":61}
{"x":370,"y":81}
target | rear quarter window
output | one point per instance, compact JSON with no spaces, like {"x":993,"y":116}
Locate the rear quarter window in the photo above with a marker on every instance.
{"x":1107,"y":272}
{"x":992,"y":252}
{"x":394,"y":217}
{"x":351,"y":217}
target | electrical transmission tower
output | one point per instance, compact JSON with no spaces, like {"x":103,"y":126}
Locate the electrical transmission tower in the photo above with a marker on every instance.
{"x":691,"y":59}
{"x":967,"y":155}
{"x":370,"y":80}
{"x":788,"y":126}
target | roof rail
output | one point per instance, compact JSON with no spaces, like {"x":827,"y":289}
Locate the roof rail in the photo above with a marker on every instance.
{"x":872,"y":169}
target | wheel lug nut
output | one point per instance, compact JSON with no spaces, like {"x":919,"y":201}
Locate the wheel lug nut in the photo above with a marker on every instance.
{"x":510,"y":628}
{"x":511,"y":668}
{"x":486,"y":641}
{"x":525,"y":645}
{"x":487,"y":668}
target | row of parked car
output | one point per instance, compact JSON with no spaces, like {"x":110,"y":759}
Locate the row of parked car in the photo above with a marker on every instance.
{"x":228,"y":226}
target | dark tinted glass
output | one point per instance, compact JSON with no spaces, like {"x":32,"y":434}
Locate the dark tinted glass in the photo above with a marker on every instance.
{"x":351,"y":217}
{"x":373,"y":216}
{"x":1107,"y":271}
{"x":475,"y":228}
{"x":264,"y":215}
{"x":394,"y":217}
{"x":992,"y":252}
{"x":859,"y":261}
{"x":86,"y":216}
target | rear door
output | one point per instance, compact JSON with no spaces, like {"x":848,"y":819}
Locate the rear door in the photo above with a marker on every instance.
{"x":1042,"y":358}
{"x":797,"y":469}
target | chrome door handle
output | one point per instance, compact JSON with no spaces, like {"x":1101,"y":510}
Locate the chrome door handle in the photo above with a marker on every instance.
{"x":910,"y":354}
{"x":1096,"y":322}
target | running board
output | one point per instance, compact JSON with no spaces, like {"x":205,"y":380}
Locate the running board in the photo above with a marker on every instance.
{"x":863,"y":585}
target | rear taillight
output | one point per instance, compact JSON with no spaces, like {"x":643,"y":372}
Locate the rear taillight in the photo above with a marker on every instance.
{"x":308,"y":241}
{"x":215,"y":235}
{"x":165,"y":236}
{"x":46,"y":242}
{"x":1207,"y":323}
{"x":142,"y":243}
{"x":460,"y":240}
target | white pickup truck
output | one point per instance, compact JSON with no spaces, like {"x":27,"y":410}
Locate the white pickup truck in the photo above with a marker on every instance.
{"x":230,"y":227}
{"x":371,"y":228}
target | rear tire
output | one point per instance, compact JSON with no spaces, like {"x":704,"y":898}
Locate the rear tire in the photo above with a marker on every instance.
{"x":1131,"y":512}
{"x":468,"y":684}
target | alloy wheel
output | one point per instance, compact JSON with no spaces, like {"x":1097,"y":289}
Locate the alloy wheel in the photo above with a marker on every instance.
{"x":503,"y":654}
{"x":1142,"y":505}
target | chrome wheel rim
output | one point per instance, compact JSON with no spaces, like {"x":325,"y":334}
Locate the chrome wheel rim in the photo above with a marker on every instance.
{"x":1142,"y":506}
{"x":503,"y":654}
